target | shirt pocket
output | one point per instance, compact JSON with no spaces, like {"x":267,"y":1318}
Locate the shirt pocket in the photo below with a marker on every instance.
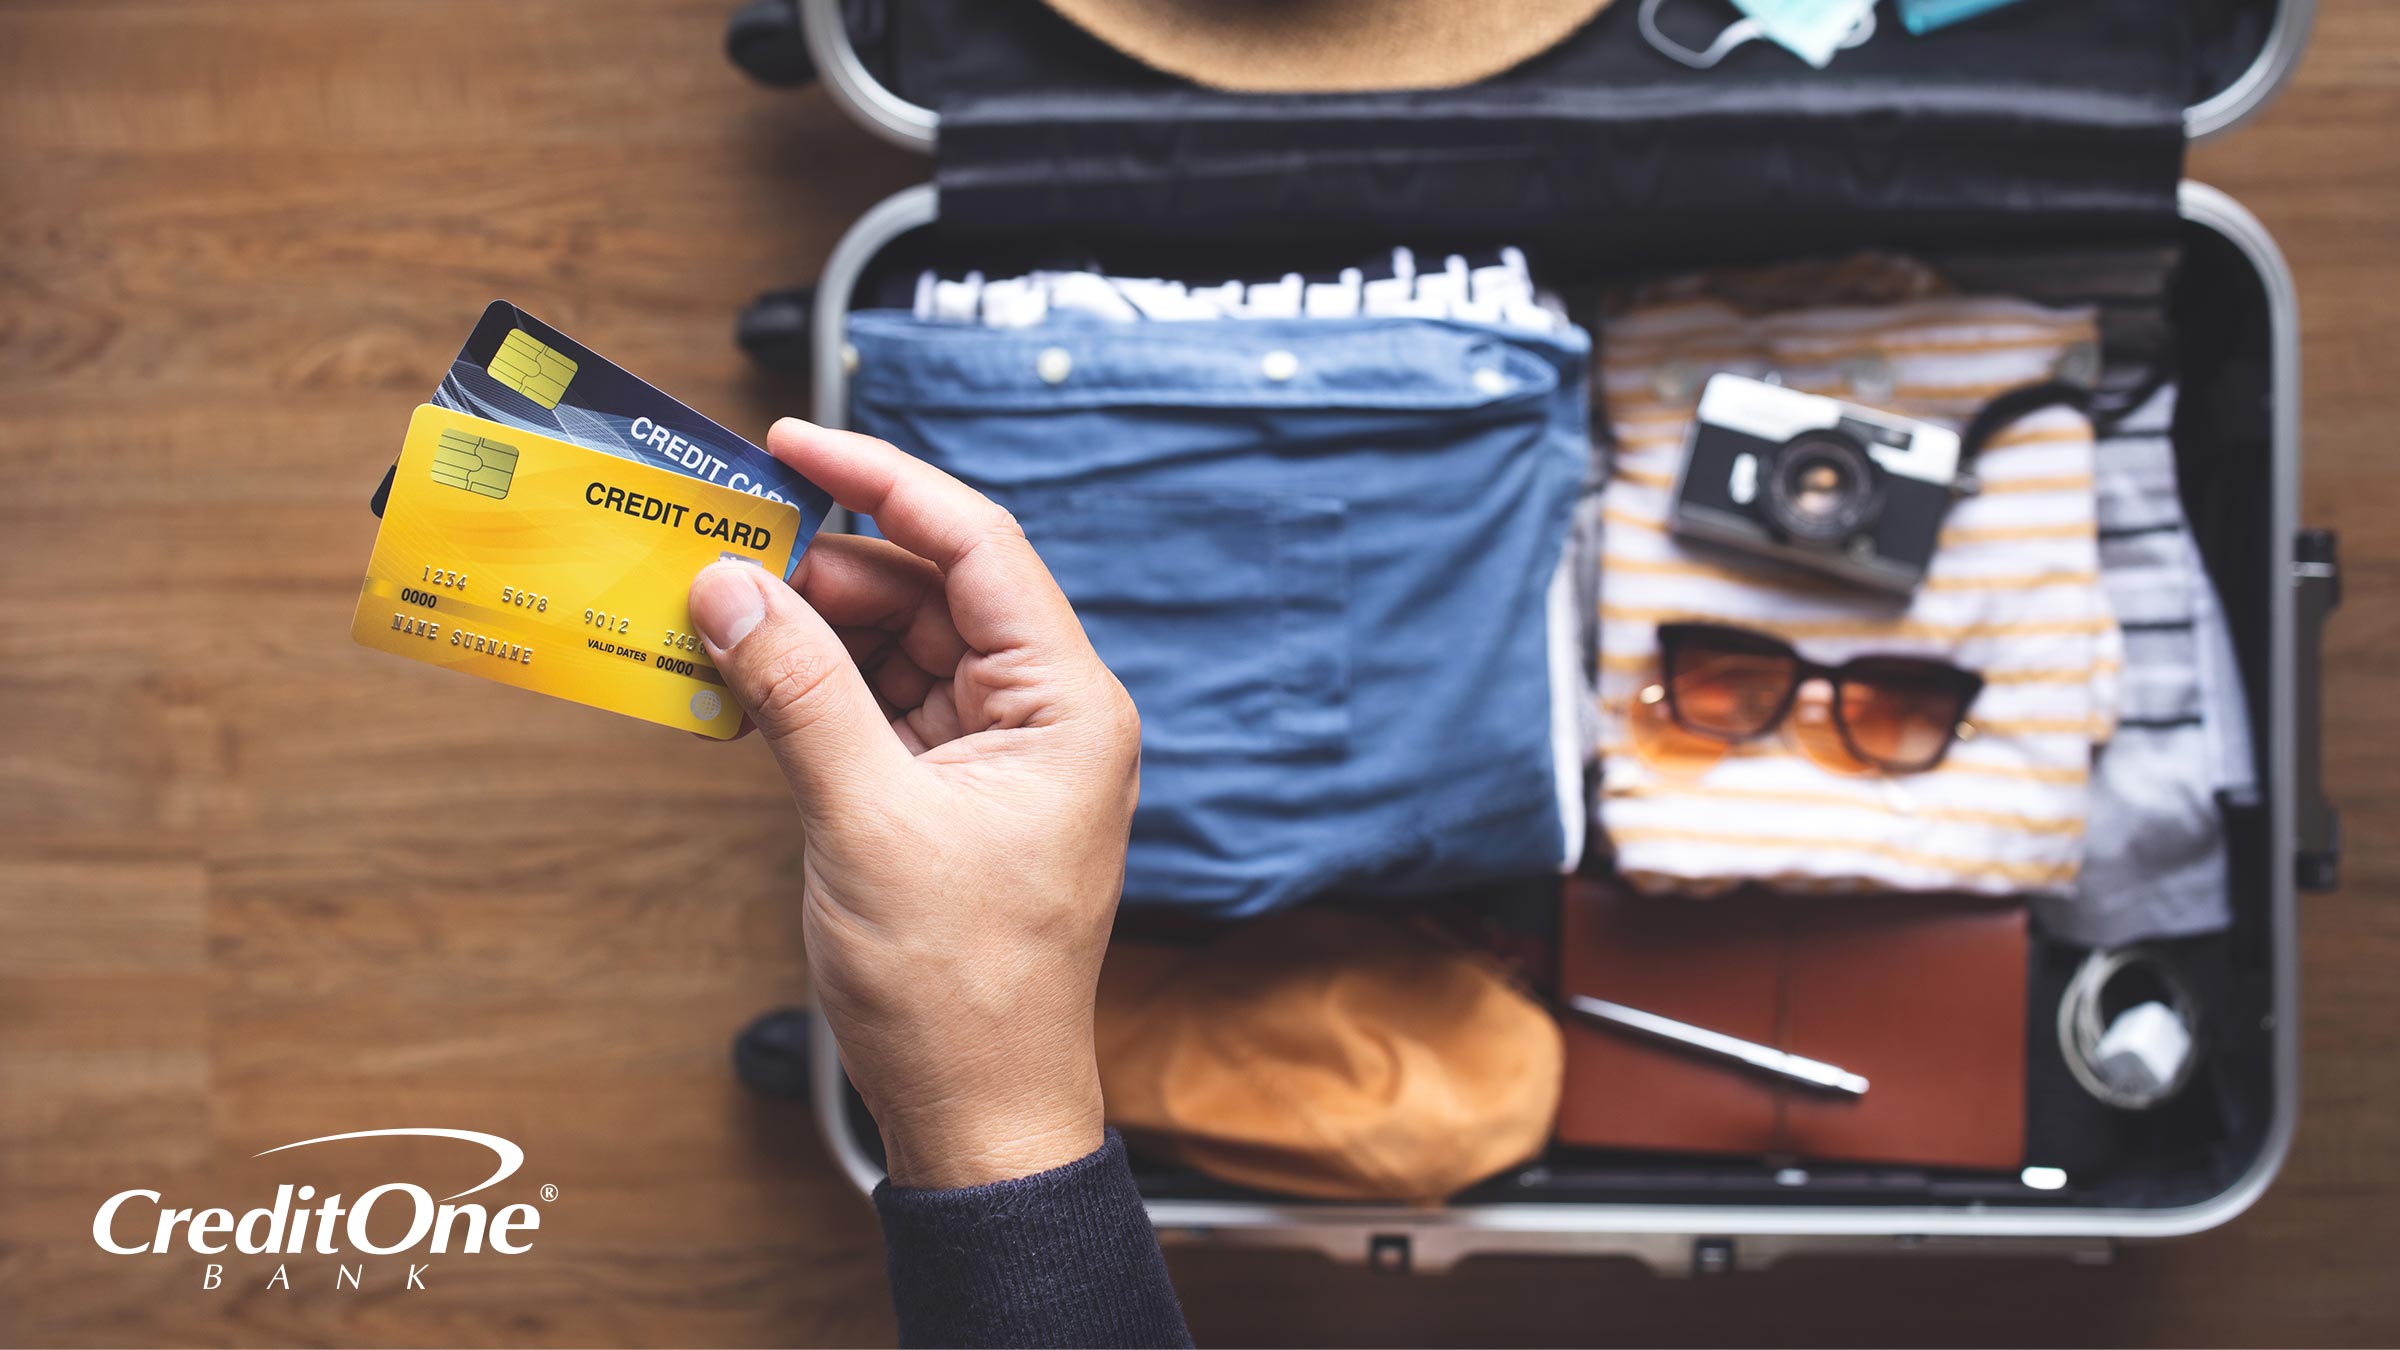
{"x":1223,"y":611}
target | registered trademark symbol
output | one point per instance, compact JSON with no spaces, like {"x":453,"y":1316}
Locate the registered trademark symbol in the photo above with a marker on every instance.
{"x":549,"y":1192}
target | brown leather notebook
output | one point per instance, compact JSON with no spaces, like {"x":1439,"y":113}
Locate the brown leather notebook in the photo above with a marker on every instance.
{"x":1925,"y":996}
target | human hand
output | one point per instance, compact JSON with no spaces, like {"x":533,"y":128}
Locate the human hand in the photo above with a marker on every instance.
{"x":965,"y":769}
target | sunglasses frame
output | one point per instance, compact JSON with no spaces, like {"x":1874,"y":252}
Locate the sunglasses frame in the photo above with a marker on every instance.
{"x":1673,"y":637}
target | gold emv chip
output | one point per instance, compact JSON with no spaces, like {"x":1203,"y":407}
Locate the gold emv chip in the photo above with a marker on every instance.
{"x":476,"y":463}
{"x":534,"y":370}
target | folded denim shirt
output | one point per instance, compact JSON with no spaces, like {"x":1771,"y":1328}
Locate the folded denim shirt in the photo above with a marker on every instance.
{"x":1325,"y":556}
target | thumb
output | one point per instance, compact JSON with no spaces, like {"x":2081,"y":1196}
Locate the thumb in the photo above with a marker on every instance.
{"x":790,"y":670}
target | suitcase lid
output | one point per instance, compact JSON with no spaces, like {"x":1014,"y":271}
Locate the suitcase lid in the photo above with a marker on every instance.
{"x":2052,"y":116}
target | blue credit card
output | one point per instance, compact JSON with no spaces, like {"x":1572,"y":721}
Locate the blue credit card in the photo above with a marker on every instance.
{"x":521,"y":372}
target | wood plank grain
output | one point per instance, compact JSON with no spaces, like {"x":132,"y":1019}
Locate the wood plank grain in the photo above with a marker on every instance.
{"x":258,"y":885}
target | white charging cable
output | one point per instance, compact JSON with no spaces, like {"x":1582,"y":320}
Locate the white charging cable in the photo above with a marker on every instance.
{"x":2144,"y":1055}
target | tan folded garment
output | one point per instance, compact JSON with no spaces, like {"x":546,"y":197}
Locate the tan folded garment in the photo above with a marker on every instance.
{"x":1329,"y":1054}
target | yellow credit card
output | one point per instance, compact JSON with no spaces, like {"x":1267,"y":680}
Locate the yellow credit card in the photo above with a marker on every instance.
{"x":541,"y":564}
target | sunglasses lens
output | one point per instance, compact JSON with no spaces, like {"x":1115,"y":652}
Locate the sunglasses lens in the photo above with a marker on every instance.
{"x":1902,"y":715}
{"x":1813,"y":729}
{"x":1727,"y":686}
{"x":1667,"y":748}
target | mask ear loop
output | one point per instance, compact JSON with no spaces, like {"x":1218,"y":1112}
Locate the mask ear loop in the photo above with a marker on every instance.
{"x":1862,"y":30}
{"x":1735,"y":35}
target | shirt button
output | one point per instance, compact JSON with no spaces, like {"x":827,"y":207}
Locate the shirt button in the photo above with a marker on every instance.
{"x":1279,"y":366}
{"x":849,"y":359}
{"x":1054,"y":365}
{"x":1674,"y":382}
{"x":1870,"y":377}
{"x":2079,"y":364}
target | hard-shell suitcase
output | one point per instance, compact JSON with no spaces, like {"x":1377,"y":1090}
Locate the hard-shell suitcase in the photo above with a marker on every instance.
{"x":2057,"y":124}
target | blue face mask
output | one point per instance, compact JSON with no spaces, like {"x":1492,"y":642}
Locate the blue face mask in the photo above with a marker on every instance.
{"x":1813,"y":30}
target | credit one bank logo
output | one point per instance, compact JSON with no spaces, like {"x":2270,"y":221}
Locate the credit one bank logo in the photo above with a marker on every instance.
{"x":298,"y":1222}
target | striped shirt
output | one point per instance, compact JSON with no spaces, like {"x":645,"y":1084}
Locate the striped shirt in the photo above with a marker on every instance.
{"x":2157,"y":868}
{"x":2013,"y":593}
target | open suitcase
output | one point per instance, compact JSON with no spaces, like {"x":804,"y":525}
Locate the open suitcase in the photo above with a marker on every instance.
{"x":2061,"y":124}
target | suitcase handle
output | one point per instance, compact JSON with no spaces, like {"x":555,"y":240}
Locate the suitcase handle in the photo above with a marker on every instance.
{"x":2317,"y":592}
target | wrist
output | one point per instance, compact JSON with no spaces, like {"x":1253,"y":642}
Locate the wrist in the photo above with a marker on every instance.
{"x":967,"y":1140}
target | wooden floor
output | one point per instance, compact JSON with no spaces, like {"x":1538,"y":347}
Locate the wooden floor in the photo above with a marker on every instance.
{"x":257,"y":884}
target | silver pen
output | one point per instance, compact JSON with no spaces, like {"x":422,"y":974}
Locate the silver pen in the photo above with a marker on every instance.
{"x":1767,"y":1059}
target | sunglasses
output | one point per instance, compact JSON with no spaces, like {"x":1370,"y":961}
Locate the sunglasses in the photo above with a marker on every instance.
{"x":1898,"y":714}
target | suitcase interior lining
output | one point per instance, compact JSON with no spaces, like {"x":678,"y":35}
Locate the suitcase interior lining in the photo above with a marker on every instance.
{"x":2187,"y":1152}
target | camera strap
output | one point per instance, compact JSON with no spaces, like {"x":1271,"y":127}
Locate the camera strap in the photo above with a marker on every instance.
{"x":2007,"y":408}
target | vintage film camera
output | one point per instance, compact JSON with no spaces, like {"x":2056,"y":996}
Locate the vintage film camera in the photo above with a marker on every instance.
{"x":1816,"y":482}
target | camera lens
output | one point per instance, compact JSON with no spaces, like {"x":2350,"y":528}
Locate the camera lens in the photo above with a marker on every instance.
{"x":1823,"y":488}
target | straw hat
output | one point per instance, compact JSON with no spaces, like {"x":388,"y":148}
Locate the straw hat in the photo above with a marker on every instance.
{"x":1330,"y":46}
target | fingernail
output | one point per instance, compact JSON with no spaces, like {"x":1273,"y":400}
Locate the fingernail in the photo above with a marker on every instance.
{"x":726,"y":603}
{"x":790,"y":426}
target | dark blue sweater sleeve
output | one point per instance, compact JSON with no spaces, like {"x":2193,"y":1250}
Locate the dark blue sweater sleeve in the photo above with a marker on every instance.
{"x":1065,"y":1257}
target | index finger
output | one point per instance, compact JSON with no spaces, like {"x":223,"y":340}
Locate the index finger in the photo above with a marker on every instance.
{"x":1001,"y":594}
